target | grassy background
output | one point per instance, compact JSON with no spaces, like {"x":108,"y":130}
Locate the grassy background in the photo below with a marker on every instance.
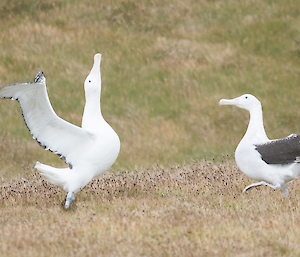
{"x":165,"y":65}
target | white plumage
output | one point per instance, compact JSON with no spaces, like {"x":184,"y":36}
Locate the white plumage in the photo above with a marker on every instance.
{"x":89,"y":150}
{"x":273,"y":163}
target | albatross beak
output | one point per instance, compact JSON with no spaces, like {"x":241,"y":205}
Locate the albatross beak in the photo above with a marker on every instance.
{"x":96,"y":66}
{"x":234,"y":101}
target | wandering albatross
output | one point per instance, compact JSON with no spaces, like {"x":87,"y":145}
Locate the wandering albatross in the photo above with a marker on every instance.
{"x":274,"y":163}
{"x":89,"y":150}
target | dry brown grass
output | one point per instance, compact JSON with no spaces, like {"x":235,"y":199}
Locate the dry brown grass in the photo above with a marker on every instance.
{"x":165,"y":66}
{"x":195,"y":210}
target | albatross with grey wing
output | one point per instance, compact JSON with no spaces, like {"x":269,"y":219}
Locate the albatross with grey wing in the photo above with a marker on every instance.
{"x":89,"y":150}
{"x":274,"y":163}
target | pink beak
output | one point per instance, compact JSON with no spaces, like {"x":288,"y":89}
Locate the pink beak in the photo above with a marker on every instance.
{"x":234,"y":101}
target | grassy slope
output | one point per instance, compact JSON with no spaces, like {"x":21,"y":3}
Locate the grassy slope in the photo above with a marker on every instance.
{"x":165,"y":66}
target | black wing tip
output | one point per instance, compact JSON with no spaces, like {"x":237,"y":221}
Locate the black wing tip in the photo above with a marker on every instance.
{"x":39,"y":77}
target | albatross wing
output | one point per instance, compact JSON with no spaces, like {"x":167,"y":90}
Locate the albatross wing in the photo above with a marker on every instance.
{"x":50,"y":131}
{"x":280,"y":151}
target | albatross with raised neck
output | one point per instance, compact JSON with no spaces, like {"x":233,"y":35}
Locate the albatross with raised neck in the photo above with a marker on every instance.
{"x":89,"y":150}
{"x":274,"y":163}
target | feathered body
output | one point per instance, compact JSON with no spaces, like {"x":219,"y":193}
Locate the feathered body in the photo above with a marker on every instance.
{"x":89,"y":150}
{"x":268,"y":161}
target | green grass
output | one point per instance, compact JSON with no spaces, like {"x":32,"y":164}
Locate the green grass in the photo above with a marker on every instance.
{"x":165,"y":66}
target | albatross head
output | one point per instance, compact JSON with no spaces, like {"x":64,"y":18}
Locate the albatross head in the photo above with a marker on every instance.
{"x":246,"y":101}
{"x":92,"y":83}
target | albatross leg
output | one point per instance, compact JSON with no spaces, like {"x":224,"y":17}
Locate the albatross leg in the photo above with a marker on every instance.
{"x":261,"y":183}
{"x":70,"y":198}
{"x":286,"y":193}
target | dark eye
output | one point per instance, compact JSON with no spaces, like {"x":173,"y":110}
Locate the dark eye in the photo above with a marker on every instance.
{"x":246,"y":97}
{"x":90,"y":81}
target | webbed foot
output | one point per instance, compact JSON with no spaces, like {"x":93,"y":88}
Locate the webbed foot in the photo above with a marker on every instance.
{"x":70,"y":198}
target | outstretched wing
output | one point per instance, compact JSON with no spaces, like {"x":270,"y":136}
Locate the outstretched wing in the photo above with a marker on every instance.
{"x":280,"y":151}
{"x":66,"y":140}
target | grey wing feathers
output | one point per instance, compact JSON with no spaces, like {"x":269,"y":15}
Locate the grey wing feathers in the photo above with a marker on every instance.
{"x":281,"y":151}
{"x":52,"y":132}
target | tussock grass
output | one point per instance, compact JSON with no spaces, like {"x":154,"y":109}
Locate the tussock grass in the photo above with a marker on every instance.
{"x":192,"y":210}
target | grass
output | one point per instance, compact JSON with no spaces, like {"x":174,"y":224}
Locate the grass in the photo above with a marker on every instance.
{"x":165,"y":65}
{"x":192,"y":210}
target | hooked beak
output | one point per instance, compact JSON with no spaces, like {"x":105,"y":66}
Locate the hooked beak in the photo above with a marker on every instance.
{"x":234,"y":101}
{"x":96,"y":66}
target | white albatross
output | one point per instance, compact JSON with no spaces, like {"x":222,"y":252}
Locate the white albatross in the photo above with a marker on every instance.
{"x":274,"y":163}
{"x":89,"y":150}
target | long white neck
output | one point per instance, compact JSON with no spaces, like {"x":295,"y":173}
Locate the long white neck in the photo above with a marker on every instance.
{"x":256,"y":131}
{"x":92,"y":116}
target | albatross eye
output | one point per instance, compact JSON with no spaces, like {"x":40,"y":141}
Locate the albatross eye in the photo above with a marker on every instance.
{"x":246,"y":97}
{"x":90,"y":81}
